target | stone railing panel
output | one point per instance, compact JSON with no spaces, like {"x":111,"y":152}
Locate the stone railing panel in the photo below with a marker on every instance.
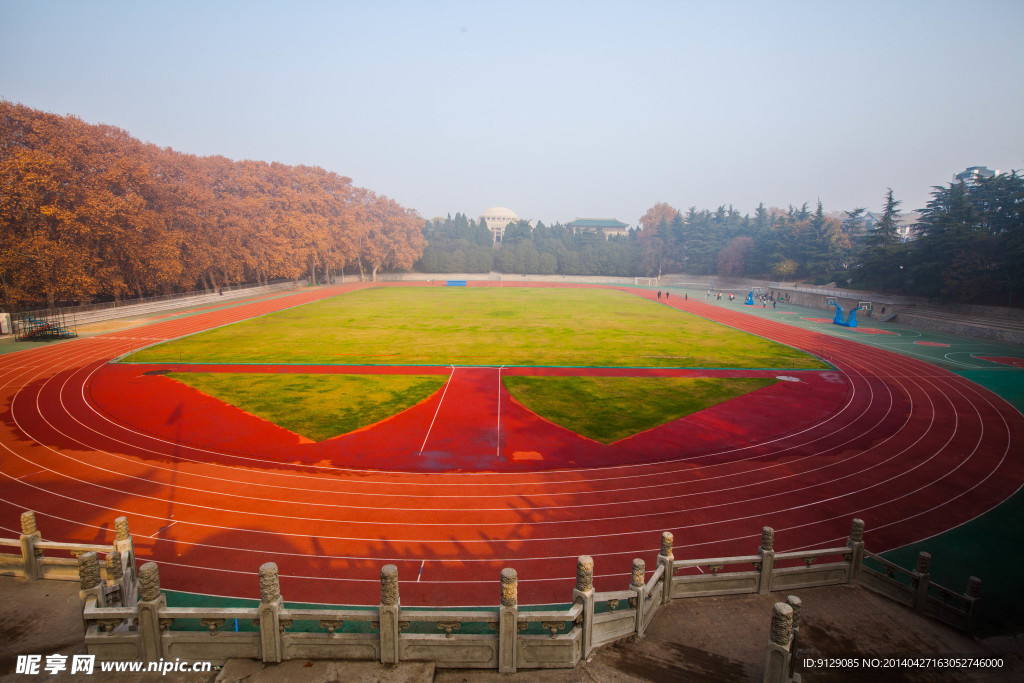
{"x":464,"y":651}
{"x":340,"y":646}
{"x":808,"y":568}
{"x":562,"y":651}
{"x":716,"y":576}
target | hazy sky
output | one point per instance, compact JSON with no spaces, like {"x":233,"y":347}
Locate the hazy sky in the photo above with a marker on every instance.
{"x":554,"y":109}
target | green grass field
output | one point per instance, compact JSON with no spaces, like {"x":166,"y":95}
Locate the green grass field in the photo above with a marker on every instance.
{"x":482,"y":326}
{"x":316,"y":406}
{"x":476,"y":326}
{"x":617,"y":407}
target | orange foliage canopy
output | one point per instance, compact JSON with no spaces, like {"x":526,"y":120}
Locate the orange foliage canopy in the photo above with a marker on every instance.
{"x":87,"y":211}
{"x":654,"y":217}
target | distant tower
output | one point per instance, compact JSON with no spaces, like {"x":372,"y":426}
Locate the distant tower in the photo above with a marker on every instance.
{"x":497,"y":219}
{"x":973,"y":174}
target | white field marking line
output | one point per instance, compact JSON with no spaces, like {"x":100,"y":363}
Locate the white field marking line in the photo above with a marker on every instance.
{"x":439,"y":404}
{"x":418,"y":576}
{"x":29,"y":474}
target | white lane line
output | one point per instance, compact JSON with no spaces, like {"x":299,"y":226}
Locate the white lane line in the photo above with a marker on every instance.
{"x":162,"y":529}
{"x":439,"y":403}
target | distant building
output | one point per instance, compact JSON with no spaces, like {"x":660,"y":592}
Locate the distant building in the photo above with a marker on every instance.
{"x":973,"y":174}
{"x":606,"y":226}
{"x":497,"y":219}
{"x":904,"y":226}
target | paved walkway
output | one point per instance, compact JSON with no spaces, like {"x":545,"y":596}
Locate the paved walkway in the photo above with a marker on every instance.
{"x":698,"y":639}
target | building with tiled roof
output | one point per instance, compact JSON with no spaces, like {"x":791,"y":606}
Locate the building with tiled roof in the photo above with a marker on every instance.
{"x":606,"y":226}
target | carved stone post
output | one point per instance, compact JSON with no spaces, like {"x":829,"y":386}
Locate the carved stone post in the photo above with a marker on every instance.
{"x":856,"y":545}
{"x":389,"y":614}
{"x":973,"y":594}
{"x":796,"y":603}
{"x":767,"y":553}
{"x":89,"y":583}
{"x":151,"y":601}
{"x":636,"y":584}
{"x":115,"y":576}
{"x":584,"y":593}
{"x":270,"y":613}
{"x":508,"y":621}
{"x":922,"y":577}
{"x":665,"y":559}
{"x":123,"y":544}
{"x":31,"y":555}
{"x":778,"y":653}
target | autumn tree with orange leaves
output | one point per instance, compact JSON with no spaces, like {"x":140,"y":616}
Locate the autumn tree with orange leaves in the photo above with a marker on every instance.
{"x":88,"y":212}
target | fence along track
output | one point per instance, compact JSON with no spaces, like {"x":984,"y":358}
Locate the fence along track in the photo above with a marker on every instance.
{"x":126,"y":615}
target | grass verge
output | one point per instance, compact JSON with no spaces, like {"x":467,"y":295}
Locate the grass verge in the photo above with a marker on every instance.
{"x":608,"y":409}
{"x":317,"y":406}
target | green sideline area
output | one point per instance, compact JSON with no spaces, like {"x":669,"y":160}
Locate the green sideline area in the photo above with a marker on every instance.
{"x":316,"y":406}
{"x":618,"y":407}
{"x":990,"y":547}
{"x":482,"y":326}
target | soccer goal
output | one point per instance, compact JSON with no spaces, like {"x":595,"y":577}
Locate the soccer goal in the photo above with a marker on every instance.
{"x":647,"y":281}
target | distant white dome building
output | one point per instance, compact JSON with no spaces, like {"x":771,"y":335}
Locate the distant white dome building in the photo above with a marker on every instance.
{"x":497,"y":219}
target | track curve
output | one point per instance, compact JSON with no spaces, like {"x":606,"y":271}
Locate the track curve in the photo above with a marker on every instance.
{"x":913,"y":450}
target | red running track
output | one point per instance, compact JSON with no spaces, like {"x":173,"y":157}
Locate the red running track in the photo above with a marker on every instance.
{"x":911,"y":449}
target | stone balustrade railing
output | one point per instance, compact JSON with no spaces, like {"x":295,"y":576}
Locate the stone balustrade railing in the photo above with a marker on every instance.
{"x":134,"y":621}
{"x":117,"y":571}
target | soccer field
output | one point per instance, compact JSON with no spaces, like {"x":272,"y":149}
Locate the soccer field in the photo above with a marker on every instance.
{"x":482,"y":326}
{"x":497,"y":327}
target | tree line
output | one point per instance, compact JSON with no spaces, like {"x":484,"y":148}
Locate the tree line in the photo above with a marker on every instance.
{"x":967,"y":245}
{"x":87,"y":212}
{"x":461,"y":245}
